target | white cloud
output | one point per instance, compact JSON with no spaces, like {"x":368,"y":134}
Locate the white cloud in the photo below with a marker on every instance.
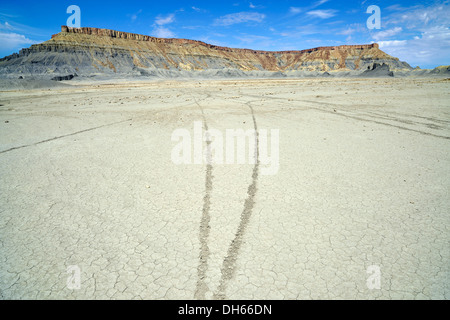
{"x":430,"y":49}
{"x":254,"y":41}
{"x":352,"y":29}
{"x":392,"y":43}
{"x":159,"y":28}
{"x":301,"y":31}
{"x":420,"y":16}
{"x":348,"y":32}
{"x":323,"y":14}
{"x":135,"y":15}
{"x":295,"y":10}
{"x":396,"y":7}
{"x":319,"y":3}
{"x":240,"y":17}
{"x":22,"y":29}
{"x":252,"y":5}
{"x":11,"y":41}
{"x":6,"y":26}
{"x":198,"y":9}
{"x":387,"y":34}
{"x":162,"y":32}
{"x":421,"y":34}
{"x":6,"y":15}
{"x":161,"y":20}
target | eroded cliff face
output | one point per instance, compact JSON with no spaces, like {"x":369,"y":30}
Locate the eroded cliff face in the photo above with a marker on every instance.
{"x":92,"y":50}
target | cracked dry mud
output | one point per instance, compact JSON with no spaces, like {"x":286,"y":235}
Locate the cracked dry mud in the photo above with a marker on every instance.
{"x":86,"y":179}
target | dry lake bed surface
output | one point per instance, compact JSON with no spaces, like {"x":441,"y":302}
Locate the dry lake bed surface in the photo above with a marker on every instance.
{"x":92,"y":205}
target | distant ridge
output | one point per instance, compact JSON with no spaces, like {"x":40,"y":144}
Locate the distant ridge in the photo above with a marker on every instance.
{"x":140,"y":37}
{"x":94,"y":51}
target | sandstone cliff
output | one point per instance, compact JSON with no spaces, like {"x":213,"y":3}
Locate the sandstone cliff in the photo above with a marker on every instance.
{"x":91,"y":50}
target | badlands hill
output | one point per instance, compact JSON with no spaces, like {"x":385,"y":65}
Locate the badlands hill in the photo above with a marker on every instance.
{"x":92,"y":51}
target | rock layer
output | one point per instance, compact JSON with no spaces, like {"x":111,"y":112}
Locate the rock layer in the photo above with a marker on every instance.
{"x":91,"y":50}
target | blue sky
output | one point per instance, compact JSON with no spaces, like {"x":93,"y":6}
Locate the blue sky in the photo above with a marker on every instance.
{"x":417,"y":32}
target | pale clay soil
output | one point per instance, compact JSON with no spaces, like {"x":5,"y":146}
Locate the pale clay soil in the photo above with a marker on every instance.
{"x":87,"y":180}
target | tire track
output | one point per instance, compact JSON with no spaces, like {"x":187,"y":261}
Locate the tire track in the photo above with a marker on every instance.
{"x":229,"y":263}
{"x":354,"y":117}
{"x":64,"y":136}
{"x":201,"y":287}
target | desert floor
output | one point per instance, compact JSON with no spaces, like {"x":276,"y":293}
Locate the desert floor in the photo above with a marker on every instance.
{"x":89,"y":191}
